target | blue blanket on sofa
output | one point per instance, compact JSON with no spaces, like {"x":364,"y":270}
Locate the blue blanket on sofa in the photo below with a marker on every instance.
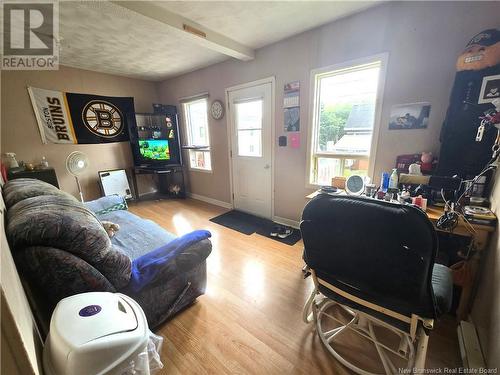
{"x":147,"y":268}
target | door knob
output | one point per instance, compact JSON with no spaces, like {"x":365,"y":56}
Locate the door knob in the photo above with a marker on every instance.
{"x":267,"y":166}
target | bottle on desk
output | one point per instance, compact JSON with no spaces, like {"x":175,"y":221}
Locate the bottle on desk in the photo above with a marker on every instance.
{"x":44,"y":164}
{"x":393,"y":180}
{"x":384,"y":184}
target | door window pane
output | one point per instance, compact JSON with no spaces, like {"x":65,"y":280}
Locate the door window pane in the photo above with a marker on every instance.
{"x":250,"y":143}
{"x":249,"y":125}
{"x":249,"y":114}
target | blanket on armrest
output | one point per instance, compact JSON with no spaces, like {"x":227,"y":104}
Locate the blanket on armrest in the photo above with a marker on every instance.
{"x":158,"y":263}
{"x":107,"y":204}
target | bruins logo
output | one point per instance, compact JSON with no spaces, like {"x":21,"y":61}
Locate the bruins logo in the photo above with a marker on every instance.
{"x":102,"y":118}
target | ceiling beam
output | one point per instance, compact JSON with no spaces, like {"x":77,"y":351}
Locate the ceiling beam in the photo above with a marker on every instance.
{"x":199,"y":34}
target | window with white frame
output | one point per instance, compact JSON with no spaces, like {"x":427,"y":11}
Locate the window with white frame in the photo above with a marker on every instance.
{"x":198,"y":140}
{"x":343,"y":121}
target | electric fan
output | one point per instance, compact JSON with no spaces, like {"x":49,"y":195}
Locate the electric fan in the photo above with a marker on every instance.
{"x":76,"y":163}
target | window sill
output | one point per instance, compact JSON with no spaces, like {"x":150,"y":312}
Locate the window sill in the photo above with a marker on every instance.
{"x":313,"y":186}
{"x":316,"y":186}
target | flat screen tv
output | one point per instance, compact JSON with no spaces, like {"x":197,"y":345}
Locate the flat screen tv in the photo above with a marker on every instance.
{"x":154,"y":149}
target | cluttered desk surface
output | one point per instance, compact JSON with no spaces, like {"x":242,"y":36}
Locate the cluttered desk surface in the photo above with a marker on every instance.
{"x":434,"y":213}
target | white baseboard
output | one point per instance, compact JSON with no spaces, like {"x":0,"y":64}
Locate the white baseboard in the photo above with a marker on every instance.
{"x":277,"y":219}
{"x":470,"y":349}
{"x":287,"y":222}
{"x":210,"y":200}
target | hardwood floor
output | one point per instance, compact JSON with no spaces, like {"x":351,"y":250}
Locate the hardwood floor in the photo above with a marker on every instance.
{"x":249,"y":321}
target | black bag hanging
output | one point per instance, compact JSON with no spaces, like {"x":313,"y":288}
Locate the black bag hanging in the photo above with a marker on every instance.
{"x":474,"y":88}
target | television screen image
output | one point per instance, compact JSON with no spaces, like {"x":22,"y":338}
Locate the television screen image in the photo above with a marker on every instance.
{"x":154,"y":149}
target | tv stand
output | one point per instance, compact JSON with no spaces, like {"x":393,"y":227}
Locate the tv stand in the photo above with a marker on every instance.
{"x":169,"y":182}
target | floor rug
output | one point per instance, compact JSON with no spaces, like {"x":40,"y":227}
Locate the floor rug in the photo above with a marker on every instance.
{"x":249,"y":224}
{"x":239,"y":221}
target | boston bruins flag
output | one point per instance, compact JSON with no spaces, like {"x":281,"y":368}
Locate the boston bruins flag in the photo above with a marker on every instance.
{"x":80,"y":118}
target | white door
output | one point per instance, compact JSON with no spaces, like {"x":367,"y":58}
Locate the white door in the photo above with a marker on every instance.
{"x":251,"y":148}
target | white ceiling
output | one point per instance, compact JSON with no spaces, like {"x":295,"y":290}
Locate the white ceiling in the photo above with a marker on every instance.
{"x":105,"y":37}
{"x":259,"y":23}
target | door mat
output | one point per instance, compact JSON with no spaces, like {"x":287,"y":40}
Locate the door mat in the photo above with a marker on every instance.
{"x":239,"y":221}
{"x":249,"y":224}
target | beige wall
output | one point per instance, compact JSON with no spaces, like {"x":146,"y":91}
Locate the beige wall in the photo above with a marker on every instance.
{"x":20,"y":132}
{"x":423,"y":41}
{"x":486,"y":308}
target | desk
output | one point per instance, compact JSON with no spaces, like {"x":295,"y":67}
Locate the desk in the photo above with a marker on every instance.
{"x":480,"y":239}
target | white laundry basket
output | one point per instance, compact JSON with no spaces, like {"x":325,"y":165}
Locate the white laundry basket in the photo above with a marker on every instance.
{"x":100,"y":333}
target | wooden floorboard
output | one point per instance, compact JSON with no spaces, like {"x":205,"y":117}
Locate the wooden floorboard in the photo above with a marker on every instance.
{"x":249,"y":321}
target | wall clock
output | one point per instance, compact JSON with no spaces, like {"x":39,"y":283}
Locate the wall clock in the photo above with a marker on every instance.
{"x":217,"y":109}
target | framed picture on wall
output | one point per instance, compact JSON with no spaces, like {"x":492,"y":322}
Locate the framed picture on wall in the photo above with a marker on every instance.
{"x":490,"y":89}
{"x":410,"y":116}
